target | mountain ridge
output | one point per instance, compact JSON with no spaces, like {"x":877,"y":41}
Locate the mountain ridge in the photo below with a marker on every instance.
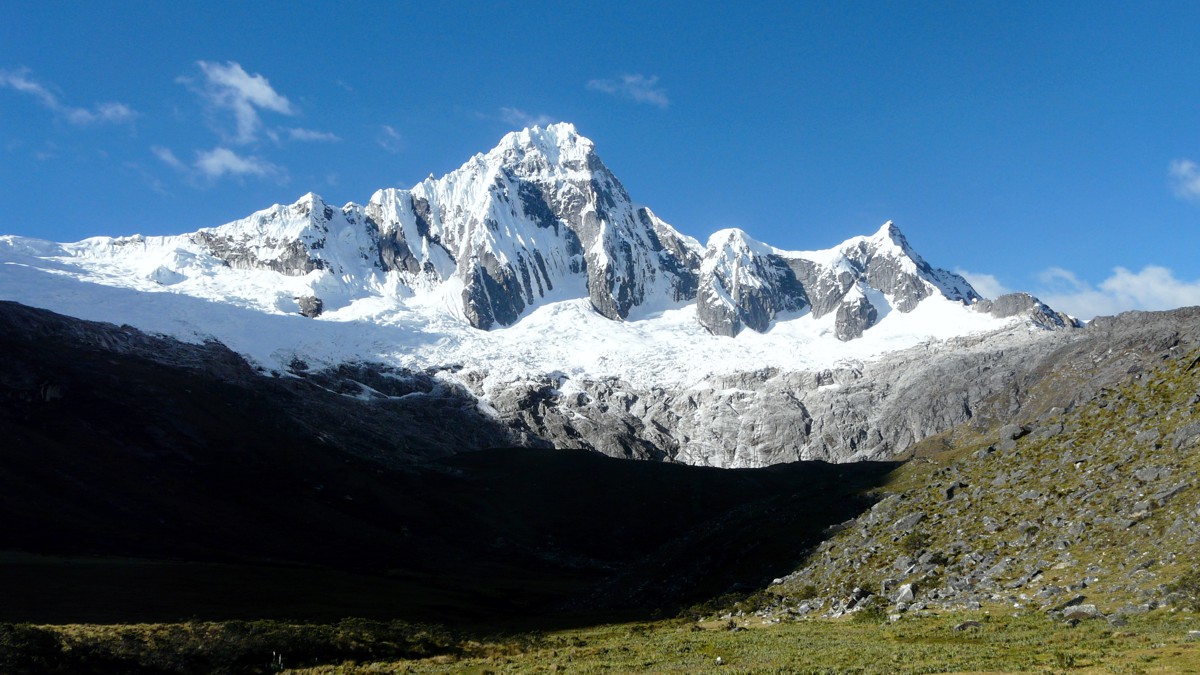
{"x":610,"y":330}
{"x":539,"y":218}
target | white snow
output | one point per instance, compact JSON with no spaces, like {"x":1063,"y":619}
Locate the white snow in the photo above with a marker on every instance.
{"x":252,"y":311}
{"x":176,"y":286}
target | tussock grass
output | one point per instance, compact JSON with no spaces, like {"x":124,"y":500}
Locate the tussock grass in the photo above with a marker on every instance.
{"x":1156,"y":643}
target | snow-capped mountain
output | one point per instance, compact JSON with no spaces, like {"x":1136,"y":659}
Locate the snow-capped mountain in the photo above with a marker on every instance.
{"x":536,"y":220}
{"x":746,"y":283}
{"x":530,"y":272}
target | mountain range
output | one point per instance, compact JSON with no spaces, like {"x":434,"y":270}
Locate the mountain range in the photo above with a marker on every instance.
{"x":529,"y":280}
{"x":372,"y":410}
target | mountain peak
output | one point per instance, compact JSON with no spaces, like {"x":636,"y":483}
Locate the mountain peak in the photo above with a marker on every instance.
{"x":889,"y":237}
{"x":309,"y":199}
{"x":888,"y":230}
{"x":552,"y":141}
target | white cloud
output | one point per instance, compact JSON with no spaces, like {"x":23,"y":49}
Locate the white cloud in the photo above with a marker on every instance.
{"x":167,"y":157}
{"x":1153,"y":288}
{"x":220,"y":162}
{"x":987,"y":285}
{"x":636,"y":87}
{"x":312,"y":135}
{"x":230,"y":87}
{"x":217,"y":163}
{"x":1185,"y":179}
{"x":519,"y":118}
{"x":19,"y":80}
{"x":389,"y":139}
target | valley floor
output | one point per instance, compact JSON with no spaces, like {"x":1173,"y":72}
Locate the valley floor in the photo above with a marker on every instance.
{"x":1025,"y":643}
{"x":995,"y":642}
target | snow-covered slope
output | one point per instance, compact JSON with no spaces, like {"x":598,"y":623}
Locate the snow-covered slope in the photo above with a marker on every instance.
{"x":747,"y":283}
{"x":535,"y":240}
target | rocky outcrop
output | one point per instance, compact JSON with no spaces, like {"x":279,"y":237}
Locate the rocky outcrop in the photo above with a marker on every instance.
{"x":744,"y":283}
{"x":1024,"y":304}
{"x":310,"y":306}
{"x":855,"y":314}
{"x":1088,"y":510}
{"x":540,"y":211}
{"x":874,"y":410}
{"x":541,"y":217}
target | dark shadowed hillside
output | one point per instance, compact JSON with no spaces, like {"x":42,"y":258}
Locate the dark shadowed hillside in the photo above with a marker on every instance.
{"x":158,"y":480}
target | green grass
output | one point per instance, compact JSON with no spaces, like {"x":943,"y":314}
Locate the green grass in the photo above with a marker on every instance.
{"x":1124,"y":563}
{"x":1153,"y":643}
{"x":1030,"y":643}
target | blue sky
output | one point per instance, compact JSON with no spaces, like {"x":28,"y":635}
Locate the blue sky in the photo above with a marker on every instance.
{"x":1048,"y":147}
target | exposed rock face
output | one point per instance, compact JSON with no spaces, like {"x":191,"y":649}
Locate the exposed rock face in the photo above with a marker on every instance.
{"x":864,"y":411}
{"x":1018,"y":304}
{"x":875,"y":410}
{"x":540,"y":217}
{"x":744,"y":283}
{"x":854,"y":315}
{"x":539,"y":212}
{"x":310,"y":306}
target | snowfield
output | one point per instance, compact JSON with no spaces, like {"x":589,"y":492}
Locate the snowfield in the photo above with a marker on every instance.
{"x":162,"y":285}
{"x":535,"y":239}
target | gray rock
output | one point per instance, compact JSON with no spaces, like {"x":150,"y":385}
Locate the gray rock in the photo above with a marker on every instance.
{"x":906,"y":594}
{"x":1151,"y":473}
{"x":741,"y":284}
{"x":853,"y":317}
{"x":1082,"y":612}
{"x":878,"y":409}
{"x":1073,"y":602}
{"x":908,"y":522}
{"x":1018,"y":304}
{"x":1185,"y":436}
{"x":1010,"y":432}
{"x":310,"y":306}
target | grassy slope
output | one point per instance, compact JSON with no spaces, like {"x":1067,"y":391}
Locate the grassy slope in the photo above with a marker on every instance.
{"x":1157,"y":643}
{"x":1101,"y":500}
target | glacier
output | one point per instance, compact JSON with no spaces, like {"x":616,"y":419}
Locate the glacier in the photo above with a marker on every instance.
{"x":529,"y":266}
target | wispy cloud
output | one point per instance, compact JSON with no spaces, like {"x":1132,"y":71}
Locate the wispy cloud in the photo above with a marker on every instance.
{"x":230,"y":88}
{"x":218,"y":163}
{"x":636,"y":87}
{"x":168,"y":157}
{"x":1185,"y":179}
{"x":986,"y":284}
{"x":310,"y":135}
{"x":519,"y":118}
{"x":109,"y":112}
{"x":1153,"y":288}
{"x":389,"y":139}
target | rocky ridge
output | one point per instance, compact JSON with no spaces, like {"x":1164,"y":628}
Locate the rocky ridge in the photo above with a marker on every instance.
{"x":859,"y":411}
{"x":541,"y":221}
{"x":538,"y":219}
{"x":1083,"y":505}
